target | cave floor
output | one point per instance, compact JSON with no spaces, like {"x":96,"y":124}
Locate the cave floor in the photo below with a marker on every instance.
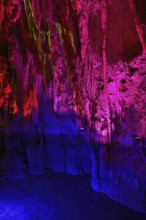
{"x":58,"y":196}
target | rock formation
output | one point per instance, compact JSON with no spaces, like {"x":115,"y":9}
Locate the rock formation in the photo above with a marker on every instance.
{"x":73,"y":91}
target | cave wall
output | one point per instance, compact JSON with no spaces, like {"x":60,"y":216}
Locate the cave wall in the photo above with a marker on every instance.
{"x":73,"y":92}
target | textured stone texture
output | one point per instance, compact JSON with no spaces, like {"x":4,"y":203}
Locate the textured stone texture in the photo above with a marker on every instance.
{"x":73,"y":90}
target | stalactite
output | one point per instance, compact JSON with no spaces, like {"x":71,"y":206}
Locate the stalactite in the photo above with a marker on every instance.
{"x":105,"y":72}
{"x":1,"y":11}
{"x":138,"y":26}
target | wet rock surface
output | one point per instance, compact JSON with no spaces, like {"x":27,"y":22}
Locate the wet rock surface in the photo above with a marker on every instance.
{"x":57,"y":196}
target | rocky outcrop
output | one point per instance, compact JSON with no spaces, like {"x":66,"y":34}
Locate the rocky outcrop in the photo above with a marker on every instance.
{"x":72,"y":91}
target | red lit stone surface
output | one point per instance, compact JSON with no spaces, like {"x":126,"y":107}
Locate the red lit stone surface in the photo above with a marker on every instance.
{"x":73,"y":87}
